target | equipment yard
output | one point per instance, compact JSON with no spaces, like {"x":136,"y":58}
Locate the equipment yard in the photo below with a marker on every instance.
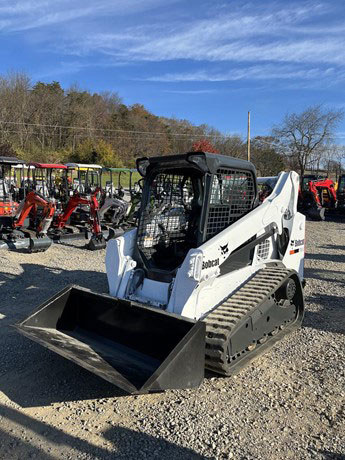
{"x":289,"y":403}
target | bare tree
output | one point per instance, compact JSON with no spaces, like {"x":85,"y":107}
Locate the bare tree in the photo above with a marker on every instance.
{"x":303,"y":137}
{"x":332,"y":160}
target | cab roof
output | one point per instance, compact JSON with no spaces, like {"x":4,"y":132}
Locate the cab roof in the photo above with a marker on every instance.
{"x":11,"y":161}
{"x":119,"y":169}
{"x":82,"y":166}
{"x":48,"y":165}
{"x":203,"y":161}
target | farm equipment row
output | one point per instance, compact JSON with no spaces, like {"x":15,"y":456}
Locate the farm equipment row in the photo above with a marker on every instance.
{"x":45,"y":203}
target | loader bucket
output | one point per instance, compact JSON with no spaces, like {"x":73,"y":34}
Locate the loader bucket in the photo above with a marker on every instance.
{"x":137,"y":348}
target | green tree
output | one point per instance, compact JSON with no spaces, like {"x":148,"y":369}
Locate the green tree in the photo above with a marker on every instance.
{"x":267,"y":160}
{"x":94,"y":152}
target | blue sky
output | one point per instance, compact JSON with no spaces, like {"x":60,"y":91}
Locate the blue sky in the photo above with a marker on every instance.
{"x":209,"y":61}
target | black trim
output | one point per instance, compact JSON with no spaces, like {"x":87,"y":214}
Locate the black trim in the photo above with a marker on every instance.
{"x":208,"y":162}
{"x":243,"y":256}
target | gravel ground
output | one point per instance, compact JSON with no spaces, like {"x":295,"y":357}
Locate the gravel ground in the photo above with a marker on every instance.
{"x":288,"y":404}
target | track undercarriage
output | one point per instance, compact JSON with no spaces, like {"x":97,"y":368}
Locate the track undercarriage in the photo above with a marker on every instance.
{"x":253,"y":319}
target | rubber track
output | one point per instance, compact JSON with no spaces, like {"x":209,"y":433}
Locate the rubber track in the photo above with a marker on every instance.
{"x":225,"y":318}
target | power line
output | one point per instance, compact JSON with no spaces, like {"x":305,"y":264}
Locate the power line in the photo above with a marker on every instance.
{"x":112,"y":130}
{"x":85,"y":136}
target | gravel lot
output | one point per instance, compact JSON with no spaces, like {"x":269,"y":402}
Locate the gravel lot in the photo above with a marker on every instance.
{"x":288,"y":404}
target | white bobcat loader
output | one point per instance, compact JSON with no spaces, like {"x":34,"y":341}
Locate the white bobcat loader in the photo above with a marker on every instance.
{"x":210,"y":278}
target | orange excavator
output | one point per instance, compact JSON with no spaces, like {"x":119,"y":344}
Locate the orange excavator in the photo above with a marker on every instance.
{"x":59,"y":224}
{"x":52,"y":181}
{"x":25,"y":215}
{"x":9,"y":187}
{"x":27,"y":228}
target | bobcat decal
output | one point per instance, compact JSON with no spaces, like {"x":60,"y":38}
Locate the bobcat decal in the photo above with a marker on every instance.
{"x":224,"y":249}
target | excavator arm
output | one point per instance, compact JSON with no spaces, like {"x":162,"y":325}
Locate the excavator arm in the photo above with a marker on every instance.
{"x":97,"y":240}
{"x":30,"y":204}
{"x":72,"y":204}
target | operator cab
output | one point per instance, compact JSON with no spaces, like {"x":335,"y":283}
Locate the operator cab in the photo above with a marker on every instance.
{"x":188,"y":199}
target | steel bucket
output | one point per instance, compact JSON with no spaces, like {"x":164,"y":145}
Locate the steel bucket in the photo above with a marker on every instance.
{"x":137,"y":348}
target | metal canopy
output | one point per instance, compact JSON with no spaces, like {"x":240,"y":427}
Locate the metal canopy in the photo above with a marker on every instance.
{"x":48,"y":165}
{"x":119,"y":169}
{"x":83,"y":166}
{"x":203,"y":161}
{"x":11,"y":161}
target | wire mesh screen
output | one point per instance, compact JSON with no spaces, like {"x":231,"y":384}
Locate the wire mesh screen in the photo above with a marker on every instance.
{"x":167,"y":221}
{"x":232,"y":196}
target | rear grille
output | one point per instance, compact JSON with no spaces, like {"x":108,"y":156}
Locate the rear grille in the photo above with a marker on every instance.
{"x":232,"y":196}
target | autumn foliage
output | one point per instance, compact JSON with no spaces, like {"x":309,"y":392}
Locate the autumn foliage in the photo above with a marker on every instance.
{"x":204,"y":146}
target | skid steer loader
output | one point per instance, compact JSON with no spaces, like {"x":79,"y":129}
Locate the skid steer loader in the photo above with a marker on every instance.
{"x":210,"y":278}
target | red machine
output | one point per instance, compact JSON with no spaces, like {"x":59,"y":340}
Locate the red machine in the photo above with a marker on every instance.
{"x":97,"y":240}
{"x":30,"y":205}
{"x":324,"y":192}
{"x":27,"y":228}
{"x":51,"y":180}
{"x":24,"y":217}
{"x":317,"y":197}
{"x":9,"y":187}
{"x":341,"y":194}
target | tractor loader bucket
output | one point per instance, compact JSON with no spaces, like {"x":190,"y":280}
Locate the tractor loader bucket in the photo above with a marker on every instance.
{"x":137,"y":348}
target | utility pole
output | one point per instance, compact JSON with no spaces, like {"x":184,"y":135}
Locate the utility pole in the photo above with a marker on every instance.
{"x":248,"y":138}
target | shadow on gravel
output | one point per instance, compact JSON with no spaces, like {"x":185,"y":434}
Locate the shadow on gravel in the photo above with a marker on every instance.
{"x":127,"y":444}
{"x":330,"y":318}
{"x":325,"y":275}
{"x":31,"y":375}
{"x":328,"y":257}
{"x":334,"y":246}
{"x":327,"y":455}
{"x":20,"y":294}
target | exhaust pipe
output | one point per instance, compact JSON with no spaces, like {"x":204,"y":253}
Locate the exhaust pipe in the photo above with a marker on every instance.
{"x":137,"y":348}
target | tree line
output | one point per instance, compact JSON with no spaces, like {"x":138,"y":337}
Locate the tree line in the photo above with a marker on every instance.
{"x":47,"y":123}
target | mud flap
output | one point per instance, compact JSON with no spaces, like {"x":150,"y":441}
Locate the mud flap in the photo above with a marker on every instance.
{"x":135,"y":347}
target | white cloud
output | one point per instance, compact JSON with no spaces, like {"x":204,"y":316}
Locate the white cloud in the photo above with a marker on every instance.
{"x":35,"y":14}
{"x":256,"y":72}
{"x":296,"y":41}
{"x":291,"y":34}
{"x":191,"y":91}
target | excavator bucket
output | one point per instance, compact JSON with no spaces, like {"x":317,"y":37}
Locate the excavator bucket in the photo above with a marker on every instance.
{"x":137,"y":348}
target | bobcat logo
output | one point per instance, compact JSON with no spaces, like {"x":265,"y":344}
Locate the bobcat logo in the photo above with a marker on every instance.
{"x":224,"y":249}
